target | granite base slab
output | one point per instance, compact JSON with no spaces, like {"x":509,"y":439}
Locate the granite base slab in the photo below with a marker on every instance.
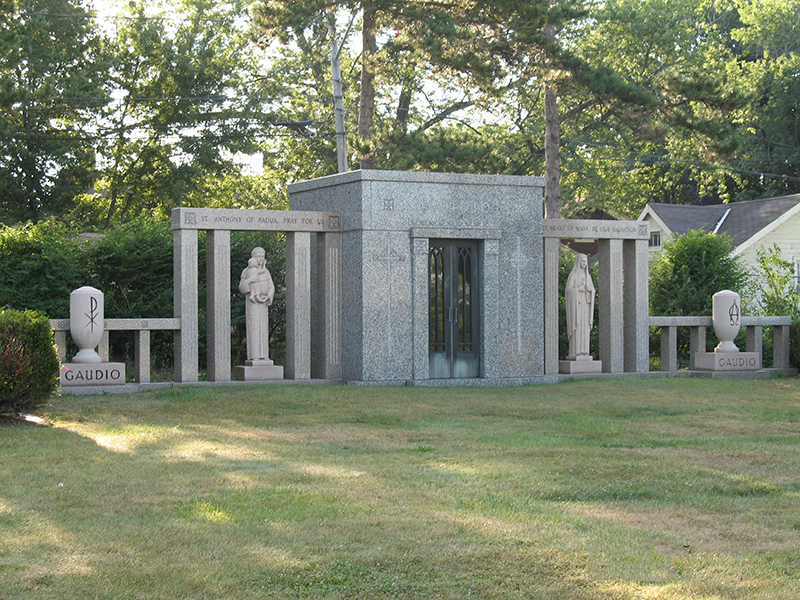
{"x":573,"y":367}
{"x":727,"y":361}
{"x":72,"y":374}
{"x":257,"y":372}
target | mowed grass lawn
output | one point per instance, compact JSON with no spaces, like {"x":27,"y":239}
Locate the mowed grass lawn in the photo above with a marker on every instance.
{"x":617,"y":488}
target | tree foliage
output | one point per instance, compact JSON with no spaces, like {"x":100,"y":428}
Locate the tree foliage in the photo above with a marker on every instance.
{"x":777,"y":288}
{"x":433,"y":67}
{"x":767,"y":70}
{"x":692,"y":268}
{"x":181,"y":108}
{"x":49,"y":61}
{"x":697,"y":102}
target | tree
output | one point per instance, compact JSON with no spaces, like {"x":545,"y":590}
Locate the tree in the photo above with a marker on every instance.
{"x":182,"y":105}
{"x":457,"y":57}
{"x":620,"y":154}
{"x":461,"y":45}
{"x":49,"y":88}
{"x":766,"y":68}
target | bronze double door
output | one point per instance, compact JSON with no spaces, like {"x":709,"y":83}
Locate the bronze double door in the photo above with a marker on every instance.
{"x":453,"y":309}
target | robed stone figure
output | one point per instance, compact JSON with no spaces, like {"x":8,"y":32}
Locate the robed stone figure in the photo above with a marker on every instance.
{"x":580,"y":295}
{"x":256,"y":284}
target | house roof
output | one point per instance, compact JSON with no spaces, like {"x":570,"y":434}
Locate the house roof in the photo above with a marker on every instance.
{"x":740,"y":220}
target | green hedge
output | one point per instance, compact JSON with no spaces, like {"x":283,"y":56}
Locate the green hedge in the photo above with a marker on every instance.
{"x":28,"y":361}
{"x":132,"y":265}
{"x":41,"y":264}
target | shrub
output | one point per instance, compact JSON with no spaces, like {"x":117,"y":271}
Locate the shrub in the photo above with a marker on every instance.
{"x":132,"y":266}
{"x":778,"y":294}
{"x":794,"y":343}
{"x":690,"y":270}
{"x":28,"y":361}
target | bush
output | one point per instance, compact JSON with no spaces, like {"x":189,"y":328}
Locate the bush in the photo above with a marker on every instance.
{"x":132,"y":266}
{"x":794,"y":343}
{"x":778,"y":294}
{"x":28,"y":361}
{"x":690,"y":270}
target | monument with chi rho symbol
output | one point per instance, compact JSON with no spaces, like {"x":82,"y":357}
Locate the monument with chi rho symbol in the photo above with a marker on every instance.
{"x":727,"y":312}
{"x":87,"y":323}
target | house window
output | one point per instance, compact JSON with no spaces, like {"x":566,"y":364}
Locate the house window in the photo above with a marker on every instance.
{"x":655,"y":239}
{"x":797,"y":272}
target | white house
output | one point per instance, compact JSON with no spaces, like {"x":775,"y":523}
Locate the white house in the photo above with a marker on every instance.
{"x":750,"y":225}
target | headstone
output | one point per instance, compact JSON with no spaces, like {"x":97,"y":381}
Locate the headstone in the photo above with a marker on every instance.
{"x":86,"y":322}
{"x":257,"y":286}
{"x":726,"y":318}
{"x":580,"y":296}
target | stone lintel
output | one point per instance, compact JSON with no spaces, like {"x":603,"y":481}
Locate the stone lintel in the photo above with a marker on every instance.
{"x":419,"y":177}
{"x":746,"y":321}
{"x":595,"y":230}
{"x":768,"y":321}
{"x":463,"y":233}
{"x":680,"y":321}
{"x":235,"y":219}
{"x":125,"y":324}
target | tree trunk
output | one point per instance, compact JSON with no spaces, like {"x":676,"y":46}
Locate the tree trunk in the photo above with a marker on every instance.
{"x":338,"y":99}
{"x":366,"y":112}
{"x":552,"y":143}
{"x":552,"y":157}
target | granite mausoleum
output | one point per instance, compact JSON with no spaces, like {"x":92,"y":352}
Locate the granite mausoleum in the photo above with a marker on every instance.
{"x":441,"y":274}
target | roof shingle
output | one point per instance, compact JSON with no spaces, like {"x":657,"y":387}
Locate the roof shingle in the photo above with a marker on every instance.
{"x":744,"y":220}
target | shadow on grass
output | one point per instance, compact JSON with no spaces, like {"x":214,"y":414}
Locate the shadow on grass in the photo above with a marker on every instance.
{"x":332,"y":493}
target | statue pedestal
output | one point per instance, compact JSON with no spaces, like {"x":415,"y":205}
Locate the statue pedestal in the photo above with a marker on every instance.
{"x":727,"y":361}
{"x":580,"y":364}
{"x":92,"y":374}
{"x":258,"y":370}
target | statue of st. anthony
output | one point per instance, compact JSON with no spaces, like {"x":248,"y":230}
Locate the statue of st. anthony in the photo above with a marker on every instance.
{"x":256,"y":284}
